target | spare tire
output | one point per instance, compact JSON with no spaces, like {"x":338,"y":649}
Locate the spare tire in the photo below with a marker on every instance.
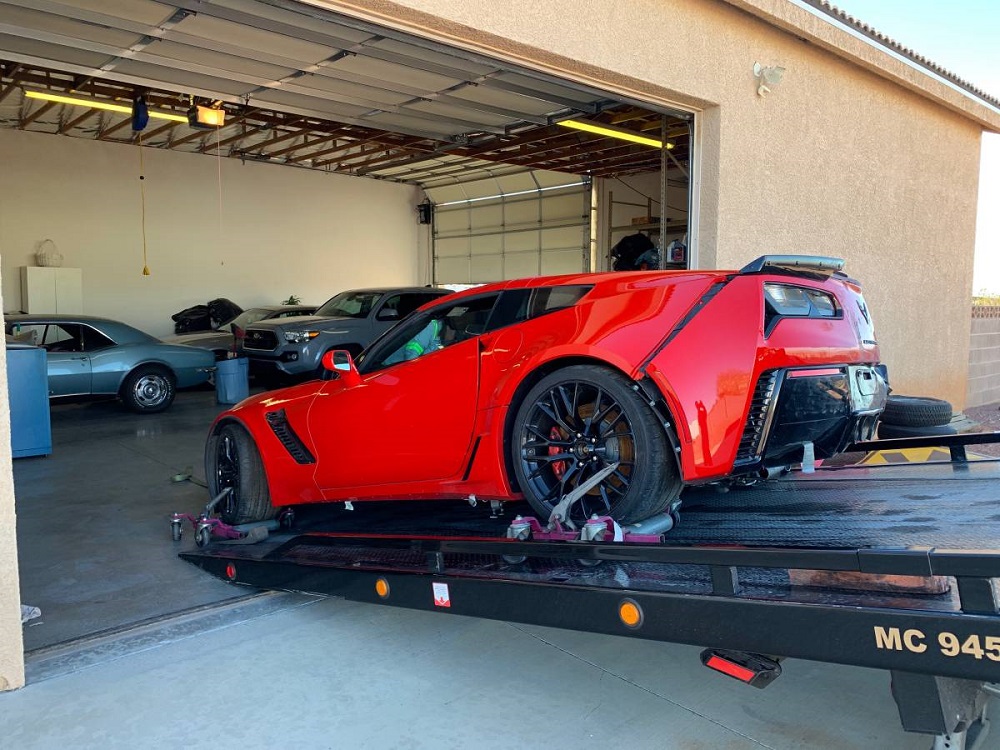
{"x":916,"y":411}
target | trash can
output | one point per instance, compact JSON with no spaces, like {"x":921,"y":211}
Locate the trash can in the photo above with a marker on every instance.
{"x":232,"y":380}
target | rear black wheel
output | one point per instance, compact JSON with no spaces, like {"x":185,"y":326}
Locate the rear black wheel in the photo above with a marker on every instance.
{"x":233,"y":462}
{"x":579,"y":420}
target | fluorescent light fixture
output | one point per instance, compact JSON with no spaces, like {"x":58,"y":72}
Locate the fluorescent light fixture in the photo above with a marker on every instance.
{"x":605,"y":130}
{"x":97,"y":104}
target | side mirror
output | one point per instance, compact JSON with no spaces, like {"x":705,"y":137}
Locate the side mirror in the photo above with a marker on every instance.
{"x":341,"y":363}
{"x":388,"y":313}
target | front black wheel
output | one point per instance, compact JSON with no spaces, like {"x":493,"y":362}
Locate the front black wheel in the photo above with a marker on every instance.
{"x":233,"y":462}
{"x":579,"y":420}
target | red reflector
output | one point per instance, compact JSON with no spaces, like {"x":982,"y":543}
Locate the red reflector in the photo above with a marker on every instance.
{"x":727,"y":667}
{"x":231,"y":572}
{"x":813,"y":373}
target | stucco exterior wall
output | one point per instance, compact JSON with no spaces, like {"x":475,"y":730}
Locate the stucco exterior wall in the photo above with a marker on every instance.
{"x":280,"y":232}
{"x":836,"y":160}
{"x":11,"y":642}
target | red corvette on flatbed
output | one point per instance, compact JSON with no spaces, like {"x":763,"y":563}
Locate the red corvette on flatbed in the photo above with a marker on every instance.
{"x":534,"y":387}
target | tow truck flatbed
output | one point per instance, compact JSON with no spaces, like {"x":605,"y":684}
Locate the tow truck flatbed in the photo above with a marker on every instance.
{"x":724,"y":578}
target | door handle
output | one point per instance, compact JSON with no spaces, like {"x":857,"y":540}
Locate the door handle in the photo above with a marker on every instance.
{"x":84,"y":357}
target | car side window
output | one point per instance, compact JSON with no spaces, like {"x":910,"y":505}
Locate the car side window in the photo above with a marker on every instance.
{"x":518,"y":305}
{"x":63,"y":337}
{"x":94,"y":340}
{"x":436,"y":329}
{"x":398,"y":306}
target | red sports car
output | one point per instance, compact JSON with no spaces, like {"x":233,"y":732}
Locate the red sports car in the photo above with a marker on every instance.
{"x":650,"y":381}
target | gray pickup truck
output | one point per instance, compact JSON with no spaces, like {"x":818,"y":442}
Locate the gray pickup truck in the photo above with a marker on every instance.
{"x":294,"y":347}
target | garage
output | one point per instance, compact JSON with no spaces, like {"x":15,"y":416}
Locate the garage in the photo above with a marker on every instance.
{"x":406,"y":162}
{"x":301,"y":149}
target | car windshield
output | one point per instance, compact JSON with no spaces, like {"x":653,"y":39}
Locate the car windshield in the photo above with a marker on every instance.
{"x":246,"y":318}
{"x":350,"y":305}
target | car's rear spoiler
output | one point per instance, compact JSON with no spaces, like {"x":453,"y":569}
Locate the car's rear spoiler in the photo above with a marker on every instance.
{"x":814,"y":266}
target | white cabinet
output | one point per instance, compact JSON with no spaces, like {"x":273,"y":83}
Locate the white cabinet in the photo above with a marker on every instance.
{"x":46,"y":289}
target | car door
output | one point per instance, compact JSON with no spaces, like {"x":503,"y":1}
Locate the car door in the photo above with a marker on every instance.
{"x":411,"y":418}
{"x":69,"y":366}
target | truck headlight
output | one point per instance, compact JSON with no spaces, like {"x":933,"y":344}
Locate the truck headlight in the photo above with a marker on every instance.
{"x":300,"y":337}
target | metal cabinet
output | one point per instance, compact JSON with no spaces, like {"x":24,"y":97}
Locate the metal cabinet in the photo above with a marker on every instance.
{"x":48,"y":289}
{"x":28,"y":395}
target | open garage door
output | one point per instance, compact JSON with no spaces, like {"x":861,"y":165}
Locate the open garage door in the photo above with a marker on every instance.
{"x":507,"y":227}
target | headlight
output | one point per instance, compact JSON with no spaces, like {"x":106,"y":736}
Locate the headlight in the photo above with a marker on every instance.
{"x":300,"y":337}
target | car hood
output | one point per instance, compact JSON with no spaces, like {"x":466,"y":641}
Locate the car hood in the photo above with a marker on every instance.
{"x":194,"y":338}
{"x":299,"y":322}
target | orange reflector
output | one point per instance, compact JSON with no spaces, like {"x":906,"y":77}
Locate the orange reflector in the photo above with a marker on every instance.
{"x":630,"y":613}
{"x":231,"y":572}
{"x":382,"y":588}
{"x":727,"y":667}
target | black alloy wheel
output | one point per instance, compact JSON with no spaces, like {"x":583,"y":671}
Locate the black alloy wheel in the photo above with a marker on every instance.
{"x":579,"y":420}
{"x":233,"y":462}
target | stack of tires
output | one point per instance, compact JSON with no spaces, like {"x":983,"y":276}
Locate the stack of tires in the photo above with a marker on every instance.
{"x":915,"y":416}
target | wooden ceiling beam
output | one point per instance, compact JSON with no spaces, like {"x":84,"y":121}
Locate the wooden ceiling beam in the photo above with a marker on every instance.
{"x":28,"y":119}
{"x":70,"y":124}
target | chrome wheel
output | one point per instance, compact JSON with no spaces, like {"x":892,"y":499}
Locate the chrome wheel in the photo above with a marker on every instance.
{"x":150,"y":391}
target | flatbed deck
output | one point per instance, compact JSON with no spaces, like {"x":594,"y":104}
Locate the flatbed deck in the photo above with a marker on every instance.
{"x":724,"y":578}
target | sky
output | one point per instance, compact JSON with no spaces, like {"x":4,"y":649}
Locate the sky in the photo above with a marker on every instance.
{"x":962,"y":36}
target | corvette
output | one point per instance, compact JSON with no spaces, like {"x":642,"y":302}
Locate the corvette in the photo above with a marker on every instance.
{"x":635,"y":384}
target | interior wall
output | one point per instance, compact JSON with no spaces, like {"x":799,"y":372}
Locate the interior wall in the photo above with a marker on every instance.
{"x":281,"y":231}
{"x":835,"y":160}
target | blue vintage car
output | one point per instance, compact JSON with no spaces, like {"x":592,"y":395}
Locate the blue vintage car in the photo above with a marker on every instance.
{"x":101,"y":357}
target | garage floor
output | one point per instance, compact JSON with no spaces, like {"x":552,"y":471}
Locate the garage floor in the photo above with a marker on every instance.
{"x":93,"y":524}
{"x":135,"y":645}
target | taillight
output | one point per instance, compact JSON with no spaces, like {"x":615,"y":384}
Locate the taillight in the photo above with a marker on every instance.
{"x":753,"y":669}
{"x":790,"y":301}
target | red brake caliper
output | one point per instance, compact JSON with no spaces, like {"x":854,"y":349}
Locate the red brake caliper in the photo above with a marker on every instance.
{"x":558,"y":467}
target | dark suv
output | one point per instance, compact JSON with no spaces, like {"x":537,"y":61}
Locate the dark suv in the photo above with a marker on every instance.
{"x":351,"y":320}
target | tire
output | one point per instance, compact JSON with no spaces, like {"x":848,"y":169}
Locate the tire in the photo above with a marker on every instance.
{"x":549,"y":460}
{"x":232,"y":460}
{"x":891,"y":431}
{"x":148,"y":389}
{"x":916,"y":411}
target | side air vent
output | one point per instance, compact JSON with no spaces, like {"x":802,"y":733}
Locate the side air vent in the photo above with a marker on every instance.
{"x":759,"y":417}
{"x":284,"y":432}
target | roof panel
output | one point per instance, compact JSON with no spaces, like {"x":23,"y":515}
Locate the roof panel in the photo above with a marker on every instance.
{"x":227,"y":65}
{"x":34,"y":21}
{"x":255,"y":39}
{"x":505,"y":99}
{"x":421,"y":53}
{"x":54,"y":54}
{"x":437,"y":109}
{"x":393,"y":72}
{"x":142,"y":11}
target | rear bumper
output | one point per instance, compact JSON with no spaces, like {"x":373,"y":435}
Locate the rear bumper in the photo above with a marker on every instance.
{"x":827,"y":407}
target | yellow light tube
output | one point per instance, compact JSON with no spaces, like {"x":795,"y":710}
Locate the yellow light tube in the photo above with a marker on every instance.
{"x":624,"y":135}
{"x":96,"y":104}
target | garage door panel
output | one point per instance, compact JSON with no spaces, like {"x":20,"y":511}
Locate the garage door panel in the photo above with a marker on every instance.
{"x":519,"y":265}
{"x":486,"y":244}
{"x":563,"y":207}
{"x":519,"y":242}
{"x":446,"y":222}
{"x":519,"y":230}
{"x":522,"y":213}
{"x":564,"y":261}
{"x":452,"y":271}
{"x":451,"y":247}
{"x":487,"y":217}
{"x":562,"y":239}
{"x":487,"y":267}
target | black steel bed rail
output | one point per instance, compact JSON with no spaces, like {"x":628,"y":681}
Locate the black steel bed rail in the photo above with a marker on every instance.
{"x":912,"y":561}
{"x":956,"y":444}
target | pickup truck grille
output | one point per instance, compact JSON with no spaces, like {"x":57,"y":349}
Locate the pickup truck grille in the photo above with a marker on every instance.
{"x":761,"y":406}
{"x":260,"y":341}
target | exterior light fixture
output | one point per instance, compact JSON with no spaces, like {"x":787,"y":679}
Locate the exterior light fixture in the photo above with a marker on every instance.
{"x":610,"y":132}
{"x":125,"y":109}
{"x":767,"y":76}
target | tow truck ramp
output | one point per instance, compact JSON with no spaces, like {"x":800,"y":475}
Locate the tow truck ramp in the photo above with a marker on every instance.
{"x":850,"y":576}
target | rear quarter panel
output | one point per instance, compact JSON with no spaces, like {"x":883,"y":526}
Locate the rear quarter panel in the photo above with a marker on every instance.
{"x":708,"y":371}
